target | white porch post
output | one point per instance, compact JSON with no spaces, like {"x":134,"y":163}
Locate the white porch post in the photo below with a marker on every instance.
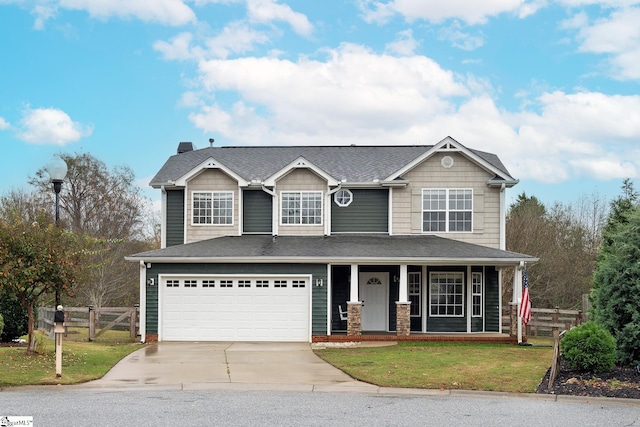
{"x":353,"y":291}
{"x":404,"y":284}
{"x":517,"y":297}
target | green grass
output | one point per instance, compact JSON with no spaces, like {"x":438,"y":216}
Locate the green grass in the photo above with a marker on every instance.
{"x":81,"y":362}
{"x":490,"y":367}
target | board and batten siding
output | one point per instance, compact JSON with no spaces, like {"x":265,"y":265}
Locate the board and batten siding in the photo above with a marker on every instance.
{"x":319,"y":294}
{"x":211,"y":180}
{"x":367,"y":213}
{"x":301,"y":180}
{"x":257,"y":212}
{"x":492,"y":299}
{"x":464,"y":174}
{"x":174,"y":217}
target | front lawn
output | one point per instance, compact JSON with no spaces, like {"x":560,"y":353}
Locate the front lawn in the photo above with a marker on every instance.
{"x":430,"y":365}
{"x":81,"y":362}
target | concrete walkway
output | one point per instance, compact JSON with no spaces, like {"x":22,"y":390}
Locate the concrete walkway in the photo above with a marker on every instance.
{"x":220,"y":365}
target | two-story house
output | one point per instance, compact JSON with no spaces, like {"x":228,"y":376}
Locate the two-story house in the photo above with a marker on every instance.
{"x":302,"y":243}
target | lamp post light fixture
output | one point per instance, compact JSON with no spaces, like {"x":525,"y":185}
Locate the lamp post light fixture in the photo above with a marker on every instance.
{"x":57,"y":170}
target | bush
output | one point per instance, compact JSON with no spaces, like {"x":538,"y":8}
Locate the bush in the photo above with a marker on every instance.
{"x":16,"y":321}
{"x":589,"y":347}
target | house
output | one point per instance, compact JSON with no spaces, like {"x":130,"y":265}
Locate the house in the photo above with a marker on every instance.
{"x":302,"y":243}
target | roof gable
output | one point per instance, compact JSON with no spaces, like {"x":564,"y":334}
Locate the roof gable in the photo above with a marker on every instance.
{"x":450,"y":145}
{"x":300,"y":163}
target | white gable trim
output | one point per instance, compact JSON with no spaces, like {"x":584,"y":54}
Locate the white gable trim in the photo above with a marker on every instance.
{"x":210,"y":163}
{"x":300,"y":163}
{"x":450,"y":145}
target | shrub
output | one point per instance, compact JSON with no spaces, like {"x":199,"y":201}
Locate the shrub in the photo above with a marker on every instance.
{"x":15,"y":317}
{"x":589,"y":347}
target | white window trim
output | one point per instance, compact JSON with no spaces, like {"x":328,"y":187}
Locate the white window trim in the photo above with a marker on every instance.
{"x":481,"y":293}
{"x":300,"y":192}
{"x":447,"y":211}
{"x":462,"y":294}
{"x":343,"y":204}
{"x":212,"y":193}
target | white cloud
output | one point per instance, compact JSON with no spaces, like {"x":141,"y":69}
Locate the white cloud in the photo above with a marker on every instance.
{"x":471,"y":12}
{"x":619,"y":37}
{"x":460,"y":39}
{"x":4,"y":125}
{"x":404,"y":44}
{"x":265,"y":11}
{"x":50,"y":126}
{"x":167,"y":12}
{"x":356,"y":96}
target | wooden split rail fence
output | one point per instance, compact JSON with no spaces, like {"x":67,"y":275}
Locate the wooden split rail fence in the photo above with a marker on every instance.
{"x":543,"y":320}
{"x":96,"y":320}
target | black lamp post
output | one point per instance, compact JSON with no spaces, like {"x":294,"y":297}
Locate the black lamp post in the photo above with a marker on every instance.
{"x":57,"y":170}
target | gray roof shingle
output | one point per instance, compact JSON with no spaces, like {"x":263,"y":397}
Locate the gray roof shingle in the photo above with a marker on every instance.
{"x":262,"y":248}
{"x":355,"y":164}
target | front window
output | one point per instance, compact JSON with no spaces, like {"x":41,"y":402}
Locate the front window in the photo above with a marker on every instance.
{"x":414,"y":293}
{"x":213,"y":208}
{"x":446,"y":294}
{"x":301,"y":208}
{"x":447,"y":210}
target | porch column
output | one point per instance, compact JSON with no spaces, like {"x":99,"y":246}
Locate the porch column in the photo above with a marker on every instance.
{"x":403,"y":306}
{"x":354,"y":305}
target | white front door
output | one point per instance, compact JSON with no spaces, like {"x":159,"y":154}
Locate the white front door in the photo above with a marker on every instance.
{"x":374,"y":288}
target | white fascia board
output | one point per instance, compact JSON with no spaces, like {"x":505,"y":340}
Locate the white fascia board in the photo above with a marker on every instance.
{"x":210,"y":163}
{"x":451,"y":145}
{"x":300,"y":163}
{"x":337,"y":260}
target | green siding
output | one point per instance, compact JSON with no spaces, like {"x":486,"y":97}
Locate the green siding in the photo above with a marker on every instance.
{"x":257,"y":212}
{"x":367,"y":213}
{"x":318,"y":293}
{"x":175,"y":217}
{"x":492,"y":300}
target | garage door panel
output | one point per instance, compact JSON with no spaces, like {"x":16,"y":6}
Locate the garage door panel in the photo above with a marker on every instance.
{"x":255,"y":311}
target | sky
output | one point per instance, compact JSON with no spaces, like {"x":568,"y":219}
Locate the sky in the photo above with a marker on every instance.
{"x":552,"y":87}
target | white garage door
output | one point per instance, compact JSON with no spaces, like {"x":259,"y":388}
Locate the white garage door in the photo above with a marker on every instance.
{"x":234,"y":308}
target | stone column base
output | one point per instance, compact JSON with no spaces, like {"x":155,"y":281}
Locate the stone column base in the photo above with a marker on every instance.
{"x":354,"y":318}
{"x":403,"y":319}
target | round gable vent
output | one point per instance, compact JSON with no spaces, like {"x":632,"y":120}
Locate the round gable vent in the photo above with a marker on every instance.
{"x":446,"y":162}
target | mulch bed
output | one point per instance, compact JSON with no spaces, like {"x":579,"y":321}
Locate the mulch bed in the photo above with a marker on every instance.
{"x":620,"y":382}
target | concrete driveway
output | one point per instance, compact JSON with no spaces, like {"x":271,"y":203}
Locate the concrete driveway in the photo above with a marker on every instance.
{"x":223,"y":365}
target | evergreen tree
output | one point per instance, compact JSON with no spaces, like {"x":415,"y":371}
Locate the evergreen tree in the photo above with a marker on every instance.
{"x":616,"y":280}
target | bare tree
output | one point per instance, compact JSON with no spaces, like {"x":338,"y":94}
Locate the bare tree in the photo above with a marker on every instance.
{"x":104,"y":204}
{"x":566,"y":238}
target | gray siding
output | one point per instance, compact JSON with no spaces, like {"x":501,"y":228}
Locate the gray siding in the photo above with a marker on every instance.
{"x":318,"y":293}
{"x":367,"y":213}
{"x":175,"y":217}
{"x":257,"y":212}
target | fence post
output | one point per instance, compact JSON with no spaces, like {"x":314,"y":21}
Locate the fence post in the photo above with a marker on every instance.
{"x":555,"y":364}
{"x":579,"y":318}
{"x":132,"y":321}
{"x":92,"y":323}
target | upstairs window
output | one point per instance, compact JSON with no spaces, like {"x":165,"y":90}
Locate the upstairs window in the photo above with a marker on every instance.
{"x":212,"y":208}
{"x":447,"y":210}
{"x":301,"y":208}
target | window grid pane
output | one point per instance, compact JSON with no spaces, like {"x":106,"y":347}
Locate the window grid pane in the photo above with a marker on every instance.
{"x":447,"y":210}
{"x":301,"y":208}
{"x":415,"y":294}
{"x":447,"y":294}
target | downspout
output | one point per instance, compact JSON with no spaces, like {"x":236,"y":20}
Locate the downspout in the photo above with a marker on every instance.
{"x":327,"y":222}
{"x":274,"y":210}
{"x":163,"y":217}
{"x":143,"y":301}
{"x":503,"y":217}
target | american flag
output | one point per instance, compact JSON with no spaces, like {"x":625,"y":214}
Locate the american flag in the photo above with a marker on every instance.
{"x":525,"y":305}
